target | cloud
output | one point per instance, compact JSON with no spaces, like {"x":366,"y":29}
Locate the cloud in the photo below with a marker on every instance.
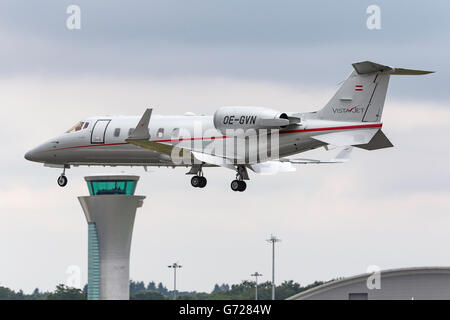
{"x":293,"y":43}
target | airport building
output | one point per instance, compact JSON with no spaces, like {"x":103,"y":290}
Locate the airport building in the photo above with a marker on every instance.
{"x":110,"y":210}
{"x":424,"y":283}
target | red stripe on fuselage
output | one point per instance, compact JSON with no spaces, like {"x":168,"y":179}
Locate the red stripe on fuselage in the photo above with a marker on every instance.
{"x":364,"y":126}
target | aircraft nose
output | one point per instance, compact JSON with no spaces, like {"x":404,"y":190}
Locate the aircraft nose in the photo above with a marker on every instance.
{"x":30,"y":155}
{"x":37,"y":154}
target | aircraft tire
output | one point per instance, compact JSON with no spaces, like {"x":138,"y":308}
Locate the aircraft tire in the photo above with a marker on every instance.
{"x":235,"y":185}
{"x":203,"y":182}
{"x":242,"y":186}
{"x":196,"y":181}
{"x":62,"y":181}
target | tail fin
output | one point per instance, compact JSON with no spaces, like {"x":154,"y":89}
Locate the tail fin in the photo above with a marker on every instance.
{"x":361,"y":97}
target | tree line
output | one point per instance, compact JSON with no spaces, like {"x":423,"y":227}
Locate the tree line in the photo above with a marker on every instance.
{"x":152,"y":291}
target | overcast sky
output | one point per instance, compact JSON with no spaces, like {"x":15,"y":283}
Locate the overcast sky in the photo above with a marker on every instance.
{"x":388,"y":208}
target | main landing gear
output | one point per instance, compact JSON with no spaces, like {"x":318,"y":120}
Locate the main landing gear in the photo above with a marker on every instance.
{"x":62,"y":179}
{"x":239,"y":184}
{"x":198,"y":181}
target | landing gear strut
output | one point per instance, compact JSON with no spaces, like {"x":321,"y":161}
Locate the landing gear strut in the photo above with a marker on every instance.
{"x":199,"y":181}
{"x":239,"y":184}
{"x":62,"y":179}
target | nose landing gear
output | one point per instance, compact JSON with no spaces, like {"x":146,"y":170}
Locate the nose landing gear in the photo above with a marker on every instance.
{"x":62,"y":179}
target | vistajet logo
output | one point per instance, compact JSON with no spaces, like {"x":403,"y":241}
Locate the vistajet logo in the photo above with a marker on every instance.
{"x":354,"y":109}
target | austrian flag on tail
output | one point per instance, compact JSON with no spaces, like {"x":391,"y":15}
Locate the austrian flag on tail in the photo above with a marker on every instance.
{"x":358,"y":87}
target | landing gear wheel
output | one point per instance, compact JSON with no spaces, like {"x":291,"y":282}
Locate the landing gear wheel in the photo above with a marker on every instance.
{"x":62,"y":181}
{"x":202,"y":182}
{"x":235,"y":185}
{"x":196,"y":181}
{"x":238,"y":185}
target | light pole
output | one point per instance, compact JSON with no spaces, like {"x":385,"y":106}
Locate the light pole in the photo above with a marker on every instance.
{"x":175,"y":266}
{"x":256,"y":275}
{"x":272,"y":240}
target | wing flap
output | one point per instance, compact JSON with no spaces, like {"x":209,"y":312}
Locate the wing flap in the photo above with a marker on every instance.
{"x":272,"y":167}
{"x":216,"y":160}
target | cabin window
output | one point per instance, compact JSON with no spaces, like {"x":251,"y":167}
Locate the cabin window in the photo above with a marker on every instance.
{"x":130,"y":131}
{"x":116,"y":132}
{"x":175,"y":133}
{"x":160,"y":133}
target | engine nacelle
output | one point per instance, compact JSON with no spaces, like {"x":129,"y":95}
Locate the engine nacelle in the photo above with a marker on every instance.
{"x":249,"y":118}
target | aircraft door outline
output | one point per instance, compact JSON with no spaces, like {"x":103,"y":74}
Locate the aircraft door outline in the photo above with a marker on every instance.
{"x":99,"y":131}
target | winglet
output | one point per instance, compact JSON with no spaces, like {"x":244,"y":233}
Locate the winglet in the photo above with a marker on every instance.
{"x":141,"y":131}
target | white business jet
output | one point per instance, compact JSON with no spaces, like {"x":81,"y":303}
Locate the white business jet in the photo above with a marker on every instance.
{"x":238,"y":138}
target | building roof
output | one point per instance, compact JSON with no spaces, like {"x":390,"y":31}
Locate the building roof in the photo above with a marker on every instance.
{"x":384,"y":273}
{"x":111,"y":176}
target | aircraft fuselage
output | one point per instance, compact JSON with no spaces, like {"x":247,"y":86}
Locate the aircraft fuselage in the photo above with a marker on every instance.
{"x":102,"y":142}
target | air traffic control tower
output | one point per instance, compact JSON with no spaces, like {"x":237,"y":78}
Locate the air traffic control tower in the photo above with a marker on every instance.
{"x":110,"y":210}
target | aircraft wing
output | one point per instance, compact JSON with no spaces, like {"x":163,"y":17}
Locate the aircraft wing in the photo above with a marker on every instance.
{"x":140,"y":137}
{"x":286,"y":165}
{"x":185,"y":153}
{"x":212,"y":159}
{"x":342,"y":156}
{"x":272,"y":167}
{"x":155,"y":146}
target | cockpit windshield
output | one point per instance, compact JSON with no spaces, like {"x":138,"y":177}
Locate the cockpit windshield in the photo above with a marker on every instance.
{"x":79,"y":126}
